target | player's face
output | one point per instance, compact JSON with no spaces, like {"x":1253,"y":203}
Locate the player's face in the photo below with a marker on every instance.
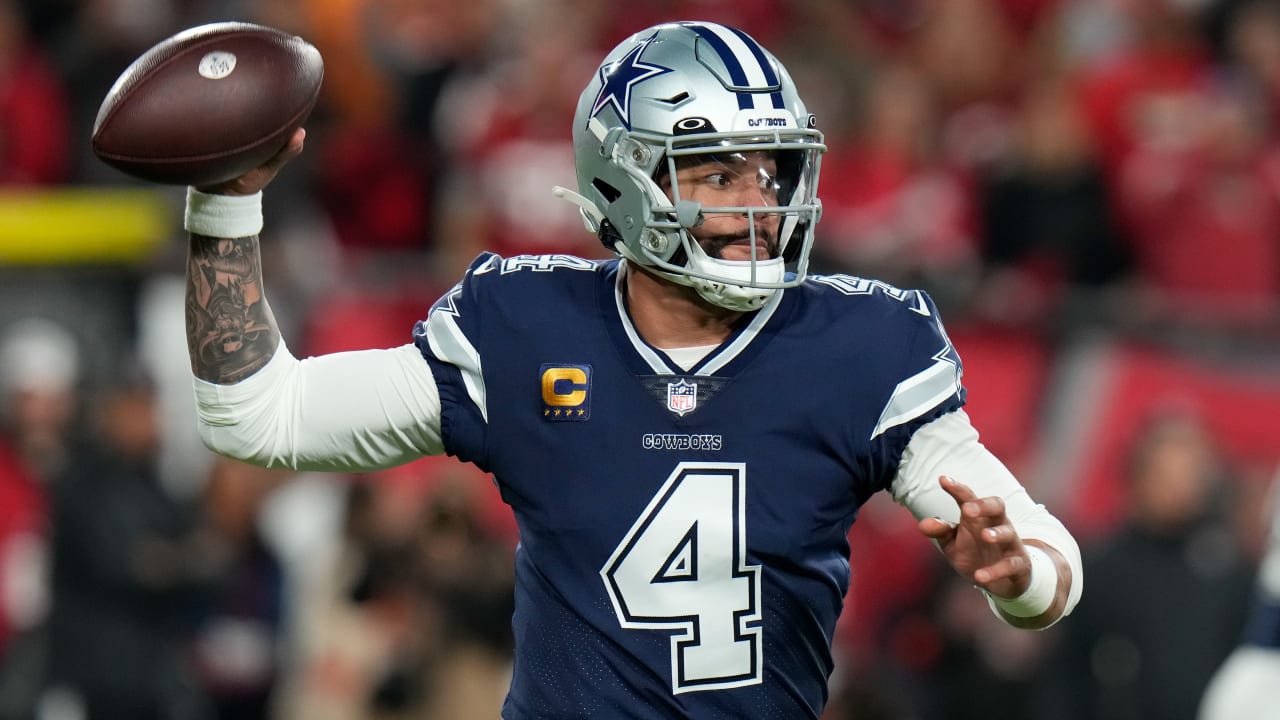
{"x":732,"y":180}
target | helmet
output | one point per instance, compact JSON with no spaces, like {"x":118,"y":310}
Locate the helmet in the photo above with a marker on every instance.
{"x":683,"y":89}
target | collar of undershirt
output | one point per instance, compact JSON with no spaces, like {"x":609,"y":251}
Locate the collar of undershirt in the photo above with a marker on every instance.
{"x":687,"y":357}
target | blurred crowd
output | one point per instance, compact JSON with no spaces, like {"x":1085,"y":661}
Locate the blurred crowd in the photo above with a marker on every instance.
{"x":1090,"y":189}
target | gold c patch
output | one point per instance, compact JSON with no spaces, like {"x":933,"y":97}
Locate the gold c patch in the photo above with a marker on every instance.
{"x":566,"y":392}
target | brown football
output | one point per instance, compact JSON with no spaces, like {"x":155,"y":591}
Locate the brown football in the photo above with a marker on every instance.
{"x":208,"y":104}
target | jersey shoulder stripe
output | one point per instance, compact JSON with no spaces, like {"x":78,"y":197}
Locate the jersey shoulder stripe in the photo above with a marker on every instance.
{"x":895,"y":311}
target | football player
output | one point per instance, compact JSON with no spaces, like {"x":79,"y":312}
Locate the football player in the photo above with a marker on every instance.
{"x":1245,"y":685}
{"x":685,"y":432}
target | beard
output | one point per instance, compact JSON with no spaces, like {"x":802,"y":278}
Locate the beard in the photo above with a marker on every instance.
{"x":714,"y":245}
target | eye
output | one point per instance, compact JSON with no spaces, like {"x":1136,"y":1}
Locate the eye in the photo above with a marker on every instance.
{"x":767,"y":183}
{"x":719,"y":179}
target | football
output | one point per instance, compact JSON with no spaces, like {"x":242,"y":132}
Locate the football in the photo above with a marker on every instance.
{"x":208,"y":104}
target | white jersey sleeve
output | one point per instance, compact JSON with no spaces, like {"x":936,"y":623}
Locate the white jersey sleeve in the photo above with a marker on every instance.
{"x":949,"y":446}
{"x":349,"y":411}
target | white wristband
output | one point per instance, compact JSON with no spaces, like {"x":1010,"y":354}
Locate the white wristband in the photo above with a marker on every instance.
{"x":223,"y":216}
{"x":1040,"y":592}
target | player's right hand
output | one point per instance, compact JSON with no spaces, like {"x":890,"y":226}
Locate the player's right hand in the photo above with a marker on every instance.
{"x":983,"y":546}
{"x":261,"y":176}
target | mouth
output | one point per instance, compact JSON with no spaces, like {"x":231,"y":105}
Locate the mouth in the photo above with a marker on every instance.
{"x":738,"y":246}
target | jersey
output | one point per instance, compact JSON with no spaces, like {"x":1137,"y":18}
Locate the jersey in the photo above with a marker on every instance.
{"x":1263,"y":626}
{"x":683,"y":534}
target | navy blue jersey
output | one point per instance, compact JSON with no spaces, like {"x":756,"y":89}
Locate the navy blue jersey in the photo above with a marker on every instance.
{"x":683,"y":534}
{"x":1263,"y":626}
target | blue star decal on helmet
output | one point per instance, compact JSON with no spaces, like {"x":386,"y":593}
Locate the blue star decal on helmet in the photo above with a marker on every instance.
{"x":618,"y":78}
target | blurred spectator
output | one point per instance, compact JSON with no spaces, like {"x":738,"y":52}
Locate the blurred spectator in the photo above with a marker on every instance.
{"x":1046,"y":216}
{"x":356,"y":91}
{"x":1245,"y":685}
{"x":1160,"y":62}
{"x":1189,"y":159}
{"x":891,"y":209}
{"x":509,"y":146}
{"x":383,"y":151}
{"x":381,"y":158}
{"x":979,"y":658}
{"x":372,"y":184}
{"x":969,"y":51}
{"x":34,"y":113}
{"x":467,"y":573}
{"x":1252,"y":45}
{"x":364,"y":622}
{"x":1167,"y":591}
{"x":39,"y":379}
{"x":239,"y":624}
{"x":1205,"y":179}
{"x":129,"y":560}
{"x":413,"y":616}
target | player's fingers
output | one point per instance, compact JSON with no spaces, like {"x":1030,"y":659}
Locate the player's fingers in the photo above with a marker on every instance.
{"x":986,"y":511}
{"x":936,"y":529}
{"x":291,"y":150}
{"x":258,"y":178}
{"x":296,"y":141}
{"x":1008,"y":567}
{"x":956,"y":489}
{"x":1002,"y":535}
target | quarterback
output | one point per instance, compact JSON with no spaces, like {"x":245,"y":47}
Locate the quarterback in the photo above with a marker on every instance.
{"x":685,"y":432}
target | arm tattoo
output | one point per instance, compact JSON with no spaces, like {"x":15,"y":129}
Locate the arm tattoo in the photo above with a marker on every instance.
{"x":231,"y":332}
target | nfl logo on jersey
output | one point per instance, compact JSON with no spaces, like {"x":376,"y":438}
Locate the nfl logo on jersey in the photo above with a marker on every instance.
{"x":682,"y":397}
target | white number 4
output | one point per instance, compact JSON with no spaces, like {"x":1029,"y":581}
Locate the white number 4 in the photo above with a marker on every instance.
{"x":682,"y":567}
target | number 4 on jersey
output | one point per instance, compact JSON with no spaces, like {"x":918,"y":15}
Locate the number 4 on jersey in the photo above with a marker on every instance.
{"x":682,"y":567}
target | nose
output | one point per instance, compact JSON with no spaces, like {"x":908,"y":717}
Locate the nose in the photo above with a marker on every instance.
{"x":751,"y":191}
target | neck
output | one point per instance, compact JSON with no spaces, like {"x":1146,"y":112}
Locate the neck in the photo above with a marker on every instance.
{"x":669,"y":315}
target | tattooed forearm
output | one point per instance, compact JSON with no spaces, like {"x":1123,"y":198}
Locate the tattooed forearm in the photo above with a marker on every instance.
{"x":231,"y":332}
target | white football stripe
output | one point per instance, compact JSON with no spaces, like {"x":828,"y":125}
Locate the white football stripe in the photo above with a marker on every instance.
{"x":918,"y":394}
{"x":449,"y":344}
{"x":746,"y":58}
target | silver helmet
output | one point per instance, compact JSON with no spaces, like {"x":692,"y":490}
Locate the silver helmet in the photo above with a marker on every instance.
{"x":687,"y":89}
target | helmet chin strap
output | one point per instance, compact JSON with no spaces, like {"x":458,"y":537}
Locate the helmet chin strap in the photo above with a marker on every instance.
{"x":727,"y":293}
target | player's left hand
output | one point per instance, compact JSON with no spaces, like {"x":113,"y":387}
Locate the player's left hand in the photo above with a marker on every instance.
{"x":983,"y":546}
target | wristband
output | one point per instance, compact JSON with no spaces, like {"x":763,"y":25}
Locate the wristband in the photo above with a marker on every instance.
{"x":223,"y":216}
{"x":1040,"y":592}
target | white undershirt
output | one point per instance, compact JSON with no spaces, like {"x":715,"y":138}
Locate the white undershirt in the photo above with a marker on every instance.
{"x":371,"y":409}
{"x":687,"y":357}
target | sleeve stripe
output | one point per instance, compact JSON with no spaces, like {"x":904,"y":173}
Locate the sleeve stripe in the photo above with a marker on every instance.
{"x":449,"y":344}
{"x":919,"y":394}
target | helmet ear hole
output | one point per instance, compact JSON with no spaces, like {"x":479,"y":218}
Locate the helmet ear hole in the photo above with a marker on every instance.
{"x":608,"y":233}
{"x":610,"y":193}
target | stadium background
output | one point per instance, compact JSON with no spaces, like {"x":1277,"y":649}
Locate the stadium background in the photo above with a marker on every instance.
{"x":1089,"y":188}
